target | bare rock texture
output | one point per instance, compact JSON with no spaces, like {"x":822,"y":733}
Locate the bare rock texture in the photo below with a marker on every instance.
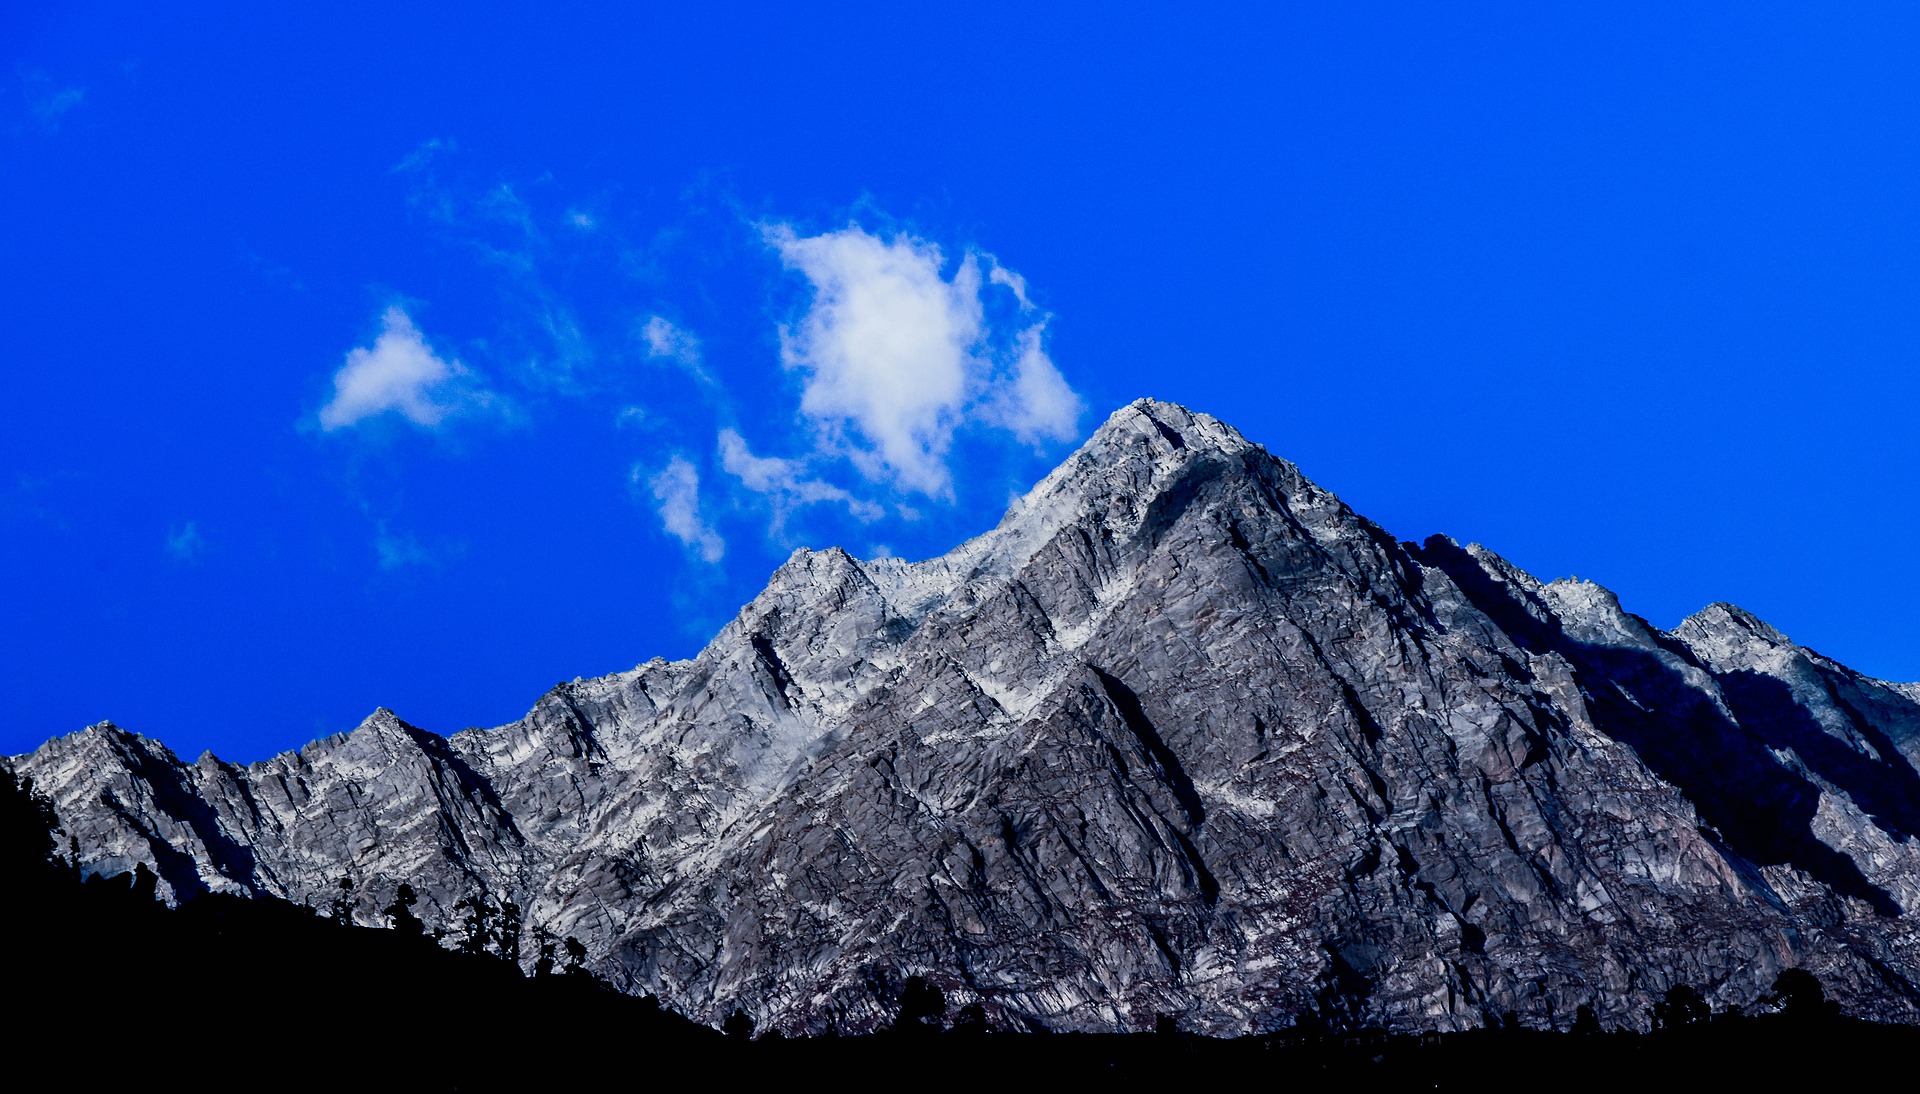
{"x":1183,"y":735}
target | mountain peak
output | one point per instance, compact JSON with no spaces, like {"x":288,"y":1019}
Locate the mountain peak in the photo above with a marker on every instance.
{"x":1145,"y":452}
{"x":1722,"y":616}
{"x":1181,"y":735}
{"x":1724,"y":634}
{"x":1140,"y":451}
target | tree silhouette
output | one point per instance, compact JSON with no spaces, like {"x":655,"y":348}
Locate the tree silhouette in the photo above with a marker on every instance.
{"x":923,"y":1007}
{"x":478,"y":924}
{"x":146,"y":886}
{"x":576,"y":957}
{"x":971,"y":1019}
{"x":508,"y":933}
{"x":1681,"y":1007}
{"x":401,"y":912}
{"x":543,"y":964}
{"x":1798,"y":995}
{"x":738,"y":1026}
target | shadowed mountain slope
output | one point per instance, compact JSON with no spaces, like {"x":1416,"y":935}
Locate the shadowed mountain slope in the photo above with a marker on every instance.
{"x":1183,"y":735}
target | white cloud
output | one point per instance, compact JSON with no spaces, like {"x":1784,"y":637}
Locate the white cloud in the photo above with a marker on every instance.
{"x":785,"y":482}
{"x":399,"y":373}
{"x":677,"y":492}
{"x":1013,"y":282}
{"x":1037,"y":405}
{"x":887,"y":348}
{"x":897,"y":355}
{"x":675,"y":344}
{"x":184,"y":541}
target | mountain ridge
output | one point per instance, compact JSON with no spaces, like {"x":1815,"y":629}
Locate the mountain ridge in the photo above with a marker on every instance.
{"x":1183,"y":734}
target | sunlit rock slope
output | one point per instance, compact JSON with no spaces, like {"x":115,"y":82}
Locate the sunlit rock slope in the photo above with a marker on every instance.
{"x":1183,"y":735}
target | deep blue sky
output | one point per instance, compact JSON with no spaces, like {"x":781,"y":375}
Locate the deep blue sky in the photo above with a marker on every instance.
{"x":1630,"y":294}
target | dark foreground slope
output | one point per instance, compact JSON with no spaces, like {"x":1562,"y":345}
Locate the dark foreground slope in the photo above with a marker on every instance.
{"x":1184,"y":735}
{"x":109,"y":988}
{"x":112,"y":988}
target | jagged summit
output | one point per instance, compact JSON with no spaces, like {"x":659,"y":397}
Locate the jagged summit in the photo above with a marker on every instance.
{"x":1181,"y":735}
{"x":1720,"y":629}
{"x":1142,"y":451}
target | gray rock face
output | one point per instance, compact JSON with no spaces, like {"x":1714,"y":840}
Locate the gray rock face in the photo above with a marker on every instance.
{"x":1182,"y":735}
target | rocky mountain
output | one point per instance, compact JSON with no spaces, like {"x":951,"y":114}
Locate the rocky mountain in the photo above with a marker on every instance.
{"x":1183,"y":735}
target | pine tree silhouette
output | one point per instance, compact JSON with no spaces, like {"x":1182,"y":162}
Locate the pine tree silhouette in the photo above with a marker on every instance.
{"x":576,"y":957}
{"x":738,"y":1026}
{"x":401,"y":912}
{"x":1681,"y":1007}
{"x":543,"y":963}
{"x":923,"y":1007}
{"x":146,"y":884}
{"x":972,"y":1018}
{"x":507,"y":934}
{"x":1798,"y":995}
{"x":478,"y":924}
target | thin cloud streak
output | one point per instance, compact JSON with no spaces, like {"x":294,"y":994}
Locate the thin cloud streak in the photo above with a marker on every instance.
{"x":785,"y":483}
{"x":676,"y":493}
{"x":666,"y":341}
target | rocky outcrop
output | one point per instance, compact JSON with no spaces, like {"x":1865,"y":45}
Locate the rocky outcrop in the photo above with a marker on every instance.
{"x":1183,"y":735}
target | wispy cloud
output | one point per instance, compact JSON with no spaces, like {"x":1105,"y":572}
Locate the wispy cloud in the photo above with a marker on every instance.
{"x":1035,"y":404}
{"x":503,"y":204}
{"x":32,"y":498}
{"x":897,"y":354}
{"x":895,"y":348}
{"x":401,"y":374}
{"x":676,"y":492}
{"x":184,"y":541}
{"x":401,"y":551}
{"x":571,"y":353}
{"x":49,"y":101}
{"x":664,"y":340}
{"x":540,"y":339}
{"x":785,"y":483}
{"x":424,"y":153}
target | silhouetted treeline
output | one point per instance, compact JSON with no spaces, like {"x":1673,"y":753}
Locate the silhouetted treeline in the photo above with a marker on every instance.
{"x":109,"y":987}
